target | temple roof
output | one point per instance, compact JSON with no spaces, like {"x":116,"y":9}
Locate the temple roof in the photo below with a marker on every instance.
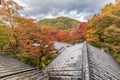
{"x":76,"y":62}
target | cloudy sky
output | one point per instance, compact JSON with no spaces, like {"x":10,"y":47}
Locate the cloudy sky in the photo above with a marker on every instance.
{"x":81,"y":10}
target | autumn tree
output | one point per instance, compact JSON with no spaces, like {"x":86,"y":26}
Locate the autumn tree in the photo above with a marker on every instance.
{"x":82,"y":30}
{"x":42,"y":47}
{"x":78,"y":35}
{"x":103,"y":30}
{"x":63,"y":36}
{"x":50,"y":32}
{"x":23,"y":32}
{"x":8,"y":12}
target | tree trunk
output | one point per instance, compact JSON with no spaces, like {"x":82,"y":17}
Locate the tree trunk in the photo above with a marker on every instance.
{"x":39,"y":63}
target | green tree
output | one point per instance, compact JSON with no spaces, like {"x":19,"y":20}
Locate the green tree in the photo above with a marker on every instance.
{"x":3,"y":35}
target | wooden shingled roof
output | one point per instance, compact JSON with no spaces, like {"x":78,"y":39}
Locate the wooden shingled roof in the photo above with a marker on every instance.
{"x":76,"y":62}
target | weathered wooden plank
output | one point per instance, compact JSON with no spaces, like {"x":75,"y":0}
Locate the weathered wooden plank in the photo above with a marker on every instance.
{"x":11,"y":69}
{"x":76,"y":62}
{"x":103,"y":66}
{"x":68,"y":65}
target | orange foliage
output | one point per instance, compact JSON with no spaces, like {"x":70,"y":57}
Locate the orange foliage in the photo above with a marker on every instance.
{"x":63,"y":36}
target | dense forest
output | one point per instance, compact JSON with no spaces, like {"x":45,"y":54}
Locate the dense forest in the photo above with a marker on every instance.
{"x":103,"y":30}
{"x":33,"y":42}
{"x":60,"y":23}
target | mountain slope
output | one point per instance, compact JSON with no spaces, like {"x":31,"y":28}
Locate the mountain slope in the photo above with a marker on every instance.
{"x":60,"y":23}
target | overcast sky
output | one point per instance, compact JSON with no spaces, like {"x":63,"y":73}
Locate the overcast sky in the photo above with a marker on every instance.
{"x":81,"y":10}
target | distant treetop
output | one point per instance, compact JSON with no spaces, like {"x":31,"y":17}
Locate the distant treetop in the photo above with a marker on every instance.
{"x":117,"y":1}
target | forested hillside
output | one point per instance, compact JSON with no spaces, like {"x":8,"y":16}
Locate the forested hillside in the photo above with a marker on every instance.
{"x":103,"y":30}
{"x":60,"y":23}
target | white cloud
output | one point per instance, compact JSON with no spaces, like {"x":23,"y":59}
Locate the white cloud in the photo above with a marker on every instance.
{"x":77,"y":9}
